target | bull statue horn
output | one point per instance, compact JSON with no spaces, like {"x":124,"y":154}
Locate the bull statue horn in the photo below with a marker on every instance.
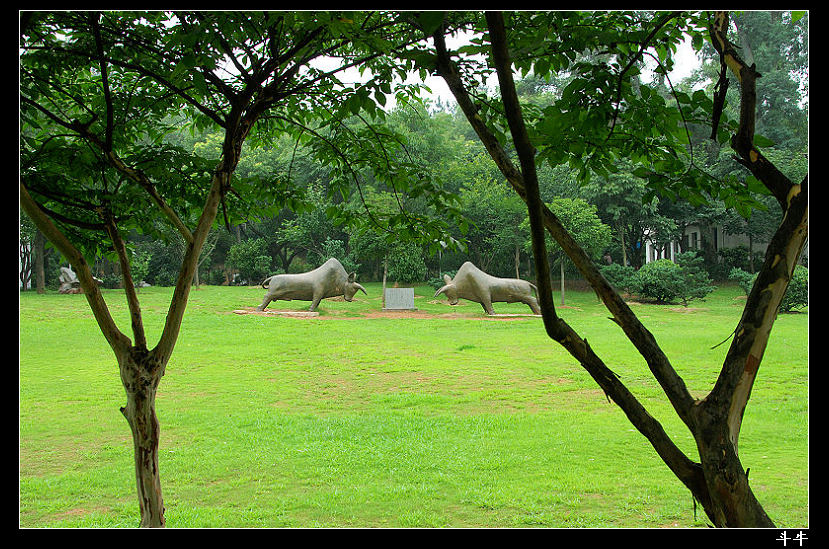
{"x":443,"y":289}
{"x":360,"y":287}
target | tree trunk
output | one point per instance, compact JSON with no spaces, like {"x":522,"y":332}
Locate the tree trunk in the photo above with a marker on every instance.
{"x":25,"y":265}
{"x":562,"y":280}
{"x":140,"y":374}
{"x":624,"y":250}
{"x":40,"y":261}
{"x":731,"y":501}
{"x":386,"y":272}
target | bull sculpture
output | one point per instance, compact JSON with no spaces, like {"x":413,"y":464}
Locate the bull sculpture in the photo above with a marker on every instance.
{"x":475,"y":285}
{"x":327,"y":280}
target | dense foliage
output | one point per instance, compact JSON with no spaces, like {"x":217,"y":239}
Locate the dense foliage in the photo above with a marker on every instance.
{"x":663,"y":280}
{"x":294,"y":216}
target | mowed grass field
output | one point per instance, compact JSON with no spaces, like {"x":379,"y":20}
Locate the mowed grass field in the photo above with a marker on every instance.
{"x":439,"y":417}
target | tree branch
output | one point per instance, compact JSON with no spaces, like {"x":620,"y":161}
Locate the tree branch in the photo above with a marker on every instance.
{"x":642,"y":339}
{"x":142,"y":180}
{"x":733,"y":387}
{"x":686,"y":470}
{"x":82,"y":131}
{"x":642,"y":47}
{"x":743,"y":141}
{"x":117,"y":340}
{"x":189,"y":264}
{"x":743,"y":359}
{"x":344,"y":158}
{"x":526,"y":157}
{"x":96,"y":32}
{"x":129,"y":286}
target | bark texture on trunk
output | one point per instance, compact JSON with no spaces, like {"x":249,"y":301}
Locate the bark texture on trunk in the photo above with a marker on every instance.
{"x":730,"y":501}
{"x":141,"y":374}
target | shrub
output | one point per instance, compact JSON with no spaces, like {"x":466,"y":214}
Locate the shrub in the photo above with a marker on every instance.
{"x":336,"y":249}
{"x":164,"y":262}
{"x":139,"y":265}
{"x":112,"y":281}
{"x":695,"y":281}
{"x":216,"y":277}
{"x":743,"y":278}
{"x":405,"y":263}
{"x":665,"y":281}
{"x":659,"y":280}
{"x":736,"y":257}
{"x":621,"y":277}
{"x":796,"y":296}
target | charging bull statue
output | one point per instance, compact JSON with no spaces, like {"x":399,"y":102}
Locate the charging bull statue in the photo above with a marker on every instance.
{"x":475,"y":285}
{"x":327,"y":280}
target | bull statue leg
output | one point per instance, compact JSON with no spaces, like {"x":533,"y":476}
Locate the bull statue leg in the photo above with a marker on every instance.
{"x":533,"y":304}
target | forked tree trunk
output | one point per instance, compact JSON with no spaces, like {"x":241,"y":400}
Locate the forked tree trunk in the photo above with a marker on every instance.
{"x":140,"y":374}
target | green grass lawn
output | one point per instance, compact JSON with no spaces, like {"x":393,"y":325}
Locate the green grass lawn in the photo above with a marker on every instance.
{"x":444,"y":418}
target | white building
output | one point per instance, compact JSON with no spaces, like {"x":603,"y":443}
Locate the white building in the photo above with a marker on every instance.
{"x":693,"y":241}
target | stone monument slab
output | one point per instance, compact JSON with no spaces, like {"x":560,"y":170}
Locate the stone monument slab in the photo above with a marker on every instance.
{"x":399,"y":299}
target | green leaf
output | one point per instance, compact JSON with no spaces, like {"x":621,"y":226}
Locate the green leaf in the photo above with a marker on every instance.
{"x":761,"y":141}
{"x":743,"y":209}
{"x":353,"y":104}
{"x":756,"y":186}
{"x":430,"y":21}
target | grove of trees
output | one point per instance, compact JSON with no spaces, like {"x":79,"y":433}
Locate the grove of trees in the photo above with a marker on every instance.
{"x":183,"y":148}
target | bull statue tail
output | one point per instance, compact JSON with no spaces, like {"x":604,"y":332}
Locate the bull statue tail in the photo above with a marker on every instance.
{"x":267,"y":281}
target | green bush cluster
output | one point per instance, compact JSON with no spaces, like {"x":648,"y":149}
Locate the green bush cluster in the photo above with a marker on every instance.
{"x":744,"y":279}
{"x":796,"y":296}
{"x":335,"y":248}
{"x":663,"y":281}
{"x":621,"y":277}
{"x":659,"y":280}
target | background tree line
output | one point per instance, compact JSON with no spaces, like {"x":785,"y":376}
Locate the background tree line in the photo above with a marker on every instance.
{"x":300,"y":235}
